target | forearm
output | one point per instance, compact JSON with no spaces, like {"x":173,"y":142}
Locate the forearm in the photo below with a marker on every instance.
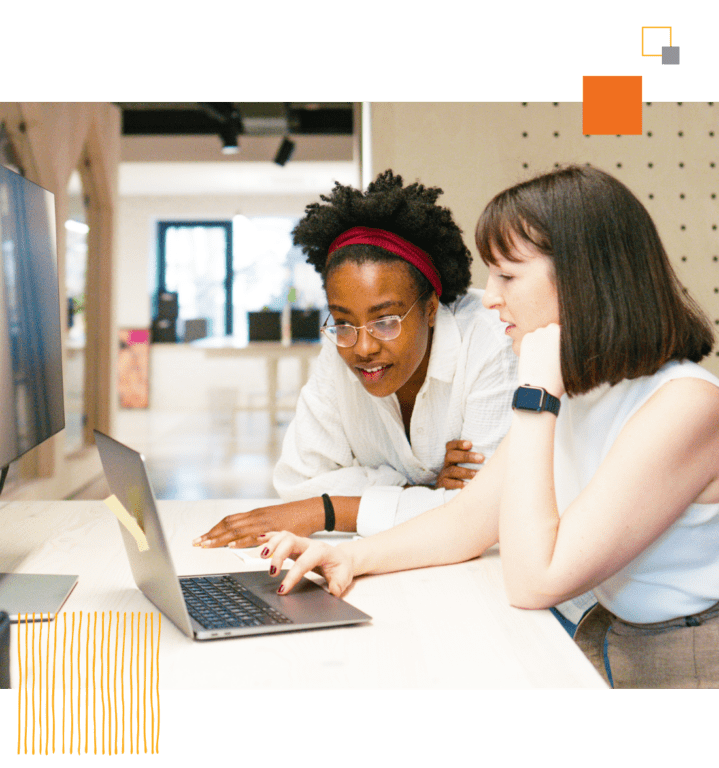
{"x":460,"y":530}
{"x":529,"y":518}
{"x":346,"y":509}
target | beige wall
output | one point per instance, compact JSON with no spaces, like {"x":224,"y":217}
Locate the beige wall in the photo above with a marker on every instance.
{"x":51,"y":141}
{"x":473,"y":151}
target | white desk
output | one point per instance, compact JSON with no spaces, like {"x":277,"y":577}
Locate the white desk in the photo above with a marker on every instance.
{"x":271,"y":352}
{"x":448,"y":627}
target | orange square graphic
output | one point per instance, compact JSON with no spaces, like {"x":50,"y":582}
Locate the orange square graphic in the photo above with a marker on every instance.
{"x":612,"y":105}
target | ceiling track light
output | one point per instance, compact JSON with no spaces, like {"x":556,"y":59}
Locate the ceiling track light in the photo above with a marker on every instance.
{"x":230,"y":140}
{"x":287,"y":147}
{"x":230,"y":124}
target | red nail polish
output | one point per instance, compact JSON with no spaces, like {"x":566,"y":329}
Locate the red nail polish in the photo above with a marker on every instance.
{"x":265,"y":552}
{"x":281,"y":589}
{"x":273,"y":570}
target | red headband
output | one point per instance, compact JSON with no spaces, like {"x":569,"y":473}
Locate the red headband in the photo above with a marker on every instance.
{"x":394,"y":244}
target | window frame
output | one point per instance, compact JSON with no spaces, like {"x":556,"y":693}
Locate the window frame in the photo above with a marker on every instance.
{"x":163,"y":226}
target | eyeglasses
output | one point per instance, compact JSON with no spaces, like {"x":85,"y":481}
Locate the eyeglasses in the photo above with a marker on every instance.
{"x":384,"y":329}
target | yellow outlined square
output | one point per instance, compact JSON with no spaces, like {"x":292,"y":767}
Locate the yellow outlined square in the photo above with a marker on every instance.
{"x":655,"y":54}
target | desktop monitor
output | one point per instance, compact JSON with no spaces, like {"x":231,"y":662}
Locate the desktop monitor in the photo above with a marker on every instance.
{"x":31,"y":387}
{"x":31,"y":393}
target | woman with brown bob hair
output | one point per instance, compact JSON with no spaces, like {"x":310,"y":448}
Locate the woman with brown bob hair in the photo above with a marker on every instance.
{"x":608,"y":479}
{"x":622,"y":310}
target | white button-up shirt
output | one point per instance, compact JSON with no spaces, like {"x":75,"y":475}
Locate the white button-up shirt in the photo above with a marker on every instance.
{"x":345,"y":442}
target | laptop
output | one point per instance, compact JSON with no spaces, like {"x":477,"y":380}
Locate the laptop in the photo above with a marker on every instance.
{"x":219,"y":605}
{"x":34,"y":596}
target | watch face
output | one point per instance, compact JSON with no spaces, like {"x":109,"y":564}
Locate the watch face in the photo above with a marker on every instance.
{"x":528,"y":399}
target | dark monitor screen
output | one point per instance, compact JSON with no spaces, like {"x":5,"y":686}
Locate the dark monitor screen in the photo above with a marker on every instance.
{"x":31,"y":394}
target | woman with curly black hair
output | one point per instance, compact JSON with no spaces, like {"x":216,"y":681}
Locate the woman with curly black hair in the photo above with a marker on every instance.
{"x":415,"y":383}
{"x":608,"y":479}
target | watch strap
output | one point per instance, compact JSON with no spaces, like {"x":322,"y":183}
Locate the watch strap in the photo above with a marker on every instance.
{"x":551,"y":403}
{"x":547,"y":403}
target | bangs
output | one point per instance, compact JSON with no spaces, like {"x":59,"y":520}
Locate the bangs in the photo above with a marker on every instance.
{"x":506,"y":220}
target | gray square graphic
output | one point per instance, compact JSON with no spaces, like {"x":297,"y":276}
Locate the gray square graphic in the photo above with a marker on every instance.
{"x":670,"y":54}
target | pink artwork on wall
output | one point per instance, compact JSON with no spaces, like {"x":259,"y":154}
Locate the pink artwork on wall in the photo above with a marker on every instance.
{"x":133,"y":368}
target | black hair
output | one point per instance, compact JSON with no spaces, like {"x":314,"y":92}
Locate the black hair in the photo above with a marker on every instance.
{"x":410,"y":212}
{"x":622,"y":309}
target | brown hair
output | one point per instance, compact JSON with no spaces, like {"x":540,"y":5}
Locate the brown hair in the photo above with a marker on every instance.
{"x":622,"y":309}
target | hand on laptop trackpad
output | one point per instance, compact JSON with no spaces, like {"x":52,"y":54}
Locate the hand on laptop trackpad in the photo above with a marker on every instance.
{"x":252,"y":554}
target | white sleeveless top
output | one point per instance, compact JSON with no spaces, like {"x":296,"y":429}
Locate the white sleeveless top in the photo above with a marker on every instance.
{"x":679,"y":573}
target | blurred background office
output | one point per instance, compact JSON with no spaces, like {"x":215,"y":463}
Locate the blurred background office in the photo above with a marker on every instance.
{"x":173,"y":225}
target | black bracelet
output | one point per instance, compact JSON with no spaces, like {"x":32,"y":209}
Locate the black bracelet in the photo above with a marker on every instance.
{"x":329,"y":513}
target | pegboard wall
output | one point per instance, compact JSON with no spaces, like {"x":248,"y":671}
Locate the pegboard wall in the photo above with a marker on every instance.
{"x":474,"y":150}
{"x":672,"y":168}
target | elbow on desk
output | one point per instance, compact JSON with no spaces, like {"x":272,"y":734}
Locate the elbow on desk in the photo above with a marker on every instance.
{"x":531,"y":599}
{"x":533,"y":602}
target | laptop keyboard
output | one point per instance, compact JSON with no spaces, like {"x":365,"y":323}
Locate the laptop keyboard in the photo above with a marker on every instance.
{"x":219,"y":602}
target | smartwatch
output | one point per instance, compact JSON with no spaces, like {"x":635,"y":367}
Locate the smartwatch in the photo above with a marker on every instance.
{"x":537,"y":399}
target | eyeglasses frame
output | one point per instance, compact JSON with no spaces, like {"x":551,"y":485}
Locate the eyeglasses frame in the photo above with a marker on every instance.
{"x":366,"y":326}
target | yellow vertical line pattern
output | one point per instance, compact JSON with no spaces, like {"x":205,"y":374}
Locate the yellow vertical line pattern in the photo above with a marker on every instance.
{"x":132,"y":647}
{"x":110,"y":718}
{"x":64,"y":642}
{"x":47,"y":687}
{"x":72,"y":708}
{"x":32,"y":644}
{"x":54,"y":659}
{"x":114,"y":673}
{"x":27,"y":679}
{"x":105,"y":688}
{"x":48,"y":725}
{"x":39,"y":688}
{"x":102,"y":670}
{"x":157,"y":684}
{"x":79,"y":681}
{"x":47,"y":690}
{"x":19,"y":686}
{"x":122,"y":678}
{"x":94,"y":689}
{"x":144,"y":687}
{"x":152,"y":677}
{"x":132,"y":687}
{"x":27,"y":674}
{"x":109,"y":701}
{"x":76,"y":692}
{"x":137,"y":678}
{"x":35,"y":666}
{"x":159,"y":627}
{"x":50,"y":618}
{"x":109,"y":713}
{"x":87,"y":680}
{"x":47,"y":684}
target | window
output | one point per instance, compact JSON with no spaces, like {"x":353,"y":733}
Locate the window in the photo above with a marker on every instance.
{"x":221,"y":270}
{"x":195,"y":261}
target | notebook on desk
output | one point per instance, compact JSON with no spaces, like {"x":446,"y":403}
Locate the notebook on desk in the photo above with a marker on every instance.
{"x":218,"y":605}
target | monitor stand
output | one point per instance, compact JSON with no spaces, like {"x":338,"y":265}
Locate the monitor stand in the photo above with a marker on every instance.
{"x":25,"y":594}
